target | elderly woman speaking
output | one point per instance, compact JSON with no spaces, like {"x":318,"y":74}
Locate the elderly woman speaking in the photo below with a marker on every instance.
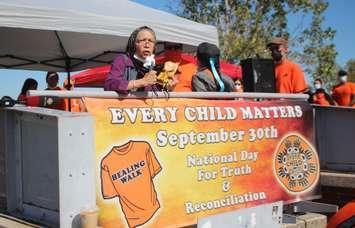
{"x":134,"y":70}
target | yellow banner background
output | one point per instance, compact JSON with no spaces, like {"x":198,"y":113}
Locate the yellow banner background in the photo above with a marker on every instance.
{"x":269,"y":139}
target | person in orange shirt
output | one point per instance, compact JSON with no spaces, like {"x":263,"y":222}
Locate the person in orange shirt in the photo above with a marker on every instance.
{"x":320,"y":96}
{"x":344,"y":92}
{"x":289,"y":76}
{"x":77,"y":104}
{"x":173,"y":53}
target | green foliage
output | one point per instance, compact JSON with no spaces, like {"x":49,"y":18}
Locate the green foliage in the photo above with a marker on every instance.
{"x":245,"y":27}
{"x":350,"y":68}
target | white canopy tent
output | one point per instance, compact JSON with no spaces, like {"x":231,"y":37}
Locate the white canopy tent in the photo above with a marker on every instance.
{"x":72,"y":35}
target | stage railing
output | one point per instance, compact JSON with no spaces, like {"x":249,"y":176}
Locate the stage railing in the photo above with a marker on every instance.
{"x":216,"y":95}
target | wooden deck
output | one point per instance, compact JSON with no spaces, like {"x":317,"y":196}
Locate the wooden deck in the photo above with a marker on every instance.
{"x":7,"y":221}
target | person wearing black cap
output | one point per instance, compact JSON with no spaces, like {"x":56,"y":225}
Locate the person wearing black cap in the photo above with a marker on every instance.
{"x":344,"y":92}
{"x":289,"y":76}
{"x":208,"y":77}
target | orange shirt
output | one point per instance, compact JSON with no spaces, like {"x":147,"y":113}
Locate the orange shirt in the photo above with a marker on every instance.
{"x":127,"y":172}
{"x":289,"y":78}
{"x":342,"y":93}
{"x":184,"y":76}
{"x":320,"y":99}
{"x":54,"y":102}
{"x":343,"y":215}
{"x":184,"y":73}
{"x":77,"y":105}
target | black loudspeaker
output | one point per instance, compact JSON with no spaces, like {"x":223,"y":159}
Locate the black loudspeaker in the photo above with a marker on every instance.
{"x":258,"y":75}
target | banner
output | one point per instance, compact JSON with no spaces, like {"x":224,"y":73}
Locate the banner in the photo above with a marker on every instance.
{"x":166,"y":162}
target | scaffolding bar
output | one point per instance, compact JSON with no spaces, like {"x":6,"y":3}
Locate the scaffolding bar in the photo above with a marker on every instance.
{"x":204,"y":95}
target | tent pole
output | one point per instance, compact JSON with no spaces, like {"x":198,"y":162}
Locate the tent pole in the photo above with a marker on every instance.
{"x":67,"y":66}
{"x":69,"y":86}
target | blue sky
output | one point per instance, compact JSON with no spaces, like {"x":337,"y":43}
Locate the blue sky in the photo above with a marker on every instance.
{"x":339,"y":15}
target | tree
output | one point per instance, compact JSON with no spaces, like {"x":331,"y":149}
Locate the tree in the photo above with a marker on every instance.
{"x":245,"y":27}
{"x":350,"y":68}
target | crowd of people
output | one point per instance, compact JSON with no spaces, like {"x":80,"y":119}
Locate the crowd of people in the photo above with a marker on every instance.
{"x":290,"y":79}
{"x":139,"y":70}
{"x":342,"y":94}
{"x":52,"y":79}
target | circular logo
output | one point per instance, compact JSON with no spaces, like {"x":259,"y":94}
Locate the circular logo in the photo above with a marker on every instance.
{"x":296,"y":164}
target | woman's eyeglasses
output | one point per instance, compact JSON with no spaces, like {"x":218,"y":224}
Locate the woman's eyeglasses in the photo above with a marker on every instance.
{"x":144,"y":41}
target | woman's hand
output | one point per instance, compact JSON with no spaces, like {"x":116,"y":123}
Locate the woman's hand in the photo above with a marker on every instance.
{"x":172,"y":83}
{"x":149,"y":78}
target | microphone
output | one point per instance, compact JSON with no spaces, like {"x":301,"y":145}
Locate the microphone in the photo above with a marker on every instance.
{"x":149,"y":62}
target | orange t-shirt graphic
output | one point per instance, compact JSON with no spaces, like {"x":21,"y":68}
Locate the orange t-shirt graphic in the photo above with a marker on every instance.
{"x":289,"y":78}
{"x":127,"y":172}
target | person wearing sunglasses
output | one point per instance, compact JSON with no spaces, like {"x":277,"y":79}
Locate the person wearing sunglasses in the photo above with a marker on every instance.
{"x":238,"y":85}
{"x":289,"y":76}
{"x":208,"y":77}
